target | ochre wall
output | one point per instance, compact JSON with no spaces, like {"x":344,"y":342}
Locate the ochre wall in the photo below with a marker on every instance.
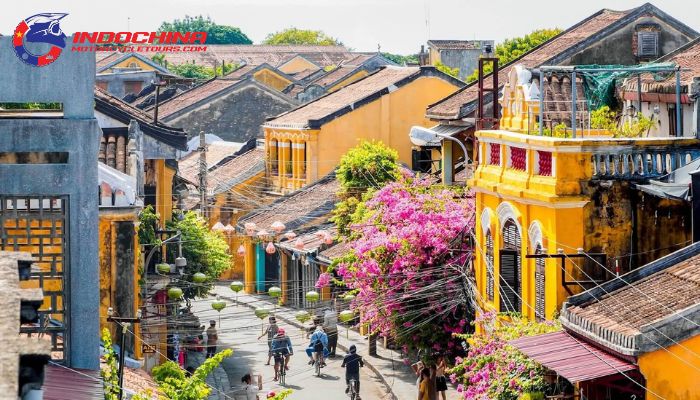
{"x":142,"y":65}
{"x":297,"y":64}
{"x":271,"y":79}
{"x":164,"y":190}
{"x":669,"y":377}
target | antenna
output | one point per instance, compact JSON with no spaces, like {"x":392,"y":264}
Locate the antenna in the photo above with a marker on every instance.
{"x":128,"y":24}
{"x":426,"y":11}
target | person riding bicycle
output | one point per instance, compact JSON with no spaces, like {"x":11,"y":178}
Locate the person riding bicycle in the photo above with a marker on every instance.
{"x":352,"y":363}
{"x":281,"y":347}
{"x":318,"y":345}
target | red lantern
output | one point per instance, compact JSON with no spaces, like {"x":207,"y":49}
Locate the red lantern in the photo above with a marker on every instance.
{"x":299,"y":244}
{"x":277,"y":226}
{"x":290,"y":235}
{"x":328,"y":239}
{"x":270,"y":249}
{"x":250,"y":227}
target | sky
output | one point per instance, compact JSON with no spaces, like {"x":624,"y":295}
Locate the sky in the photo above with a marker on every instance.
{"x":398,"y":26}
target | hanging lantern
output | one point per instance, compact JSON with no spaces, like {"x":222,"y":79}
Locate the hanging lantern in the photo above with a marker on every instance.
{"x":261,"y":312}
{"x":218,"y":304}
{"x":321,"y":234}
{"x":219,"y":227}
{"x":299,"y":244}
{"x":328,"y":239}
{"x":270,"y":249}
{"x":250,"y":228}
{"x":229,"y":229}
{"x":263,"y":232}
{"x":346,"y":315}
{"x":174,"y":293}
{"x":236,"y":286}
{"x":290,"y":235}
{"x":199,"y":277}
{"x":274,"y":291}
{"x":163,"y":268}
{"x":312,"y":296}
{"x":302,"y":316}
{"x":241,"y":251}
{"x":277,"y":226}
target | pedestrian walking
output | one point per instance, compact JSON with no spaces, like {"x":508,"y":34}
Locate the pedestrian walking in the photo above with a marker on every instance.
{"x":330,"y":326}
{"x":271,"y":331}
{"x":440,"y":379}
{"x":212,"y":339}
{"x":251,"y":389}
{"x":424,"y":384}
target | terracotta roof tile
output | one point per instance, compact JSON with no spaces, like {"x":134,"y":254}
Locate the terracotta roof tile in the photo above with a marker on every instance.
{"x":299,"y":209}
{"x":335,"y":75}
{"x":312,"y":242}
{"x":449,"y":108}
{"x":240,"y":72}
{"x":686,"y":57}
{"x":237,"y":170}
{"x":344,"y":97}
{"x":188,"y":166}
{"x":194,"y":95}
{"x":335,"y":251}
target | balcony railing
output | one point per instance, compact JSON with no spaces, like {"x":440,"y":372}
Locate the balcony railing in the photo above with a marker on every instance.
{"x":635,"y":164}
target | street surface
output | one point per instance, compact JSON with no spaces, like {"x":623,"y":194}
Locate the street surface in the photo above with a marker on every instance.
{"x":240,"y":329}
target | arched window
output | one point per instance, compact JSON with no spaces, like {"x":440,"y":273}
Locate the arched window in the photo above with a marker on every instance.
{"x":302,"y":161}
{"x":288,"y":165}
{"x":510,"y":268}
{"x":489,"y":265}
{"x":273,"y":156}
{"x":540,"y":313}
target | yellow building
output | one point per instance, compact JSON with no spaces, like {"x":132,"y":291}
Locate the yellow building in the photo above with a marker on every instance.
{"x":308,"y":142}
{"x":571,"y":201}
{"x":647,"y":325}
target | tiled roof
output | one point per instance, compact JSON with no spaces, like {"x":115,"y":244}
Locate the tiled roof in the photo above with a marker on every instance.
{"x":627,"y":313}
{"x":194,"y":95}
{"x":450,"y":107}
{"x":104,"y":58}
{"x":687,"y":57}
{"x":335,"y":75}
{"x":455,"y":44}
{"x":188,"y":166}
{"x":298,"y":209}
{"x":557,"y":100}
{"x":345,"y":98}
{"x":240,"y":72}
{"x":237,"y":170}
{"x":337,"y":250}
{"x":301,"y":75}
{"x":312,"y":242}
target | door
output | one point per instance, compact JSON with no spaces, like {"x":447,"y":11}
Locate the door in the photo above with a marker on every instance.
{"x":510,"y":269}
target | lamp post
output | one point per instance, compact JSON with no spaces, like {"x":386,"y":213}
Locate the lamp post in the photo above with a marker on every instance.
{"x":124,"y":323}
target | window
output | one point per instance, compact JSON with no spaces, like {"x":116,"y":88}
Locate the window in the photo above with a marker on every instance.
{"x":302,"y":161}
{"x":510,"y":268}
{"x":648,"y":44}
{"x":494,"y":154}
{"x":273,"y":157}
{"x":489,"y":265}
{"x":672,"y":121}
{"x":540,"y":313}
{"x":518,"y":158}
{"x":102,"y":85}
{"x":421,"y":160}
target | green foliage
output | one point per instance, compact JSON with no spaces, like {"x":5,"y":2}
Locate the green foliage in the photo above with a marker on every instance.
{"x":168,"y":369}
{"x":453,"y":72}
{"x":604,"y":118}
{"x":363,"y":168}
{"x":640,"y":126}
{"x":159,"y":59}
{"x":148,"y":223}
{"x":532,"y":396}
{"x":401,"y":60}
{"x":216,"y":34}
{"x":281,"y":395}
{"x":560,"y":131}
{"x":192,"y":387}
{"x":198,"y":71}
{"x":30,"y":106}
{"x":512,"y":49}
{"x":110,"y":374}
{"x":206,"y":251}
{"x":301,"y":36}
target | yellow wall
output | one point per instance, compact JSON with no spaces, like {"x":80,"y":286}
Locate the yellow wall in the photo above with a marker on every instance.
{"x":125,"y":64}
{"x":668,"y":376}
{"x":350,"y":79}
{"x":271,"y":79}
{"x":387,"y":119}
{"x":164,"y":191}
{"x":297,"y":64}
{"x":434,"y":56}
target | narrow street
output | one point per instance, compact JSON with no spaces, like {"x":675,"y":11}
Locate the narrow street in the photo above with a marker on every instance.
{"x":240,"y":329}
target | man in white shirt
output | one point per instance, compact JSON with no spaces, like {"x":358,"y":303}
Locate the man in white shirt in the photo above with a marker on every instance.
{"x":251,"y":391}
{"x":330,"y":326}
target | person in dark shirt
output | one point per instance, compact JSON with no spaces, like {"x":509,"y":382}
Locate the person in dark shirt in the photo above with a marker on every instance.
{"x":352,"y":363}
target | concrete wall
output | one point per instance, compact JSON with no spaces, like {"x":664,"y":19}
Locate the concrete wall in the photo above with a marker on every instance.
{"x":69,"y":80}
{"x":466,"y":60}
{"x":115,"y":81}
{"x":235,"y":116}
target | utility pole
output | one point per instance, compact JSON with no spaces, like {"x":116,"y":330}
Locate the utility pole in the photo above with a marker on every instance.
{"x":202,"y":173}
{"x":124,"y":323}
{"x":155,"y":109}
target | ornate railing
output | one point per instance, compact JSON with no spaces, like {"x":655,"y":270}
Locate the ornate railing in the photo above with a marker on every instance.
{"x":636,"y":164}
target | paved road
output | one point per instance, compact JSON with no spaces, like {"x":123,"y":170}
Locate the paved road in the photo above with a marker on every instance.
{"x":239,"y":330}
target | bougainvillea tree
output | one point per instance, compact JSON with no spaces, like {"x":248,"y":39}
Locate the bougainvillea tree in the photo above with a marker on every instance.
{"x":409,"y":263}
{"x":492,"y":369}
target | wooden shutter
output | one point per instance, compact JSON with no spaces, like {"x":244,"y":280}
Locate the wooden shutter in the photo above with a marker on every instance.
{"x":508,"y":281}
{"x":539,"y":287}
{"x":489,"y":266}
{"x":647,"y":44}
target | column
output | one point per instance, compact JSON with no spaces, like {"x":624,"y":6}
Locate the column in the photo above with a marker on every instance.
{"x":447,"y":164}
{"x":284,"y":260}
{"x":295,"y":163}
{"x":249,"y":272}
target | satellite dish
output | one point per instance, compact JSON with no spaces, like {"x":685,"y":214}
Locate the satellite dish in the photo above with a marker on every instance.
{"x":421,"y":136}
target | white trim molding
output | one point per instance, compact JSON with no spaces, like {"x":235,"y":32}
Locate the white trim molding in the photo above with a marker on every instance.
{"x":506,"y":211}
{"x":536,"y":235}
{"x":486,"y":220}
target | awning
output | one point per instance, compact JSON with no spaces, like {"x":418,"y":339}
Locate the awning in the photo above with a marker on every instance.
{"x":675,"y":185}
{"x":61,"y":383}
{"x":570,"y":357}
{"x":427,"y":137}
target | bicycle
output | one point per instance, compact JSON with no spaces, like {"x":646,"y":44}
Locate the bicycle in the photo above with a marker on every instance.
{"x":282,"y":368}
{"x":317,"y":363}
{"x":352,"y":391}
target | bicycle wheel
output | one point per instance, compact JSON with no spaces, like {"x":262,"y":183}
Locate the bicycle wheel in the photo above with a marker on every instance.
{"x":283,"y":372}
{"x":317,"y":364}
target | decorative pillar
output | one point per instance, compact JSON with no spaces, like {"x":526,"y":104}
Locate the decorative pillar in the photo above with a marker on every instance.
{"x":249,"y":269}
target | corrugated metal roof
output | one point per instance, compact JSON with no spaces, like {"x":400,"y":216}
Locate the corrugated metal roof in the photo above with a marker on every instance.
{"x":571,"y":358}
{"x":61,"y":383}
